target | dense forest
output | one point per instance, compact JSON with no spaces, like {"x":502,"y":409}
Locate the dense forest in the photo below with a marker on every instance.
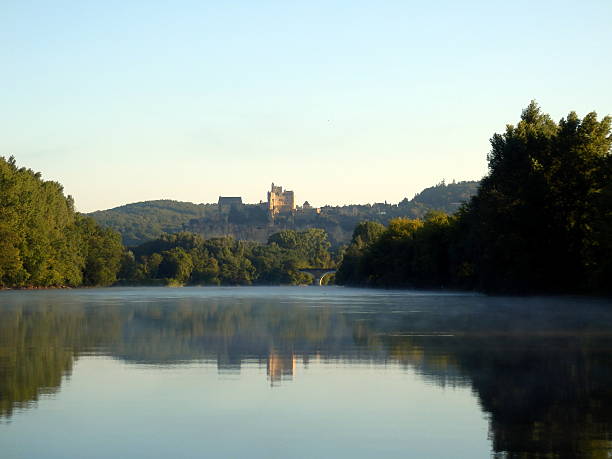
{"x":144,"y":221}
{"x":541,"y":220}
{"x":187,"y":258}
{"x":44,"y":242}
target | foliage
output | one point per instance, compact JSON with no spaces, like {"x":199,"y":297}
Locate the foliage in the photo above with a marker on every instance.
{"x":445,"y":197}
{"x":311,"y":246}
{"x":102,"y":250}
{"x":43,"y":241}
{"x":353,"y":268}
{"x":187,"y":258}
{"x":540,"y":221}
{"x":406,"y":253}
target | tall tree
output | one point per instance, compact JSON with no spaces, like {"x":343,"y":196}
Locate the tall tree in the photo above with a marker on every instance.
{"x":534,"y":213}
{"x":43,"y":241}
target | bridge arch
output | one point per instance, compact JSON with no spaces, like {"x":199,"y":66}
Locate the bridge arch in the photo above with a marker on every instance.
{"x":318,"y":274}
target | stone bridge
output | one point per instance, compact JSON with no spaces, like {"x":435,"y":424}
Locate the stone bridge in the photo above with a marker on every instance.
{"x":318,"y":274}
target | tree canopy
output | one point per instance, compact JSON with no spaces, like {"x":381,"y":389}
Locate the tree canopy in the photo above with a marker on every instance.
{"x":541,"y":220}
{"x":188,"y":258}
{"x":43,"y":241}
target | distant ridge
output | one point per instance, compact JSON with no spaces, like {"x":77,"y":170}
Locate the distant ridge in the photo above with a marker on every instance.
{"x":144,"y":221}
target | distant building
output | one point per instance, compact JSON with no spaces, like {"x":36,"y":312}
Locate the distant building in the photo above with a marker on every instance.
{"x":307,"y":209}
{"x":227,"y":202}
{"x":280,"y":201}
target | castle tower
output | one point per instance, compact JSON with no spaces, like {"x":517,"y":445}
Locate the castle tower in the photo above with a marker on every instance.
{"x":280,"y":201}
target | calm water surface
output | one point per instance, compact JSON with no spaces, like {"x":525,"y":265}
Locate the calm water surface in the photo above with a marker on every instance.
{"x":302,"y":372}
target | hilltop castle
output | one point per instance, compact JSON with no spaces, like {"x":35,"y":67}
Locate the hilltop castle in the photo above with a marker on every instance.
{"x":280,"y":201}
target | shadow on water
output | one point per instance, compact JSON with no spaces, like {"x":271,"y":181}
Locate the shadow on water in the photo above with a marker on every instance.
{"x":541,"y":367}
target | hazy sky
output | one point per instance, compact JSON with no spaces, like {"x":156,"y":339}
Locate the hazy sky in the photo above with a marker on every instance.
{"x":341,"y":101}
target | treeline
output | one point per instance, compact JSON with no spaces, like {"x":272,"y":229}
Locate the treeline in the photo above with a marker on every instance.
{"x":44,"y":242}
{"x":541,"y":220}
{"x":189,"y":259}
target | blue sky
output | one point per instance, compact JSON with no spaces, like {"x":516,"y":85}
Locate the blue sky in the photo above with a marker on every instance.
{"x":341,"y":101}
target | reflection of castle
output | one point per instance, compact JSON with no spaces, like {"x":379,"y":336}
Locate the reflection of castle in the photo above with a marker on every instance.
{"x":280,"y":367}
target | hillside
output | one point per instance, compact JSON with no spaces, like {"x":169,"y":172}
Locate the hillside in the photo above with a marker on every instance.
{"x":446,"y":197}
{"x":144,"y":221}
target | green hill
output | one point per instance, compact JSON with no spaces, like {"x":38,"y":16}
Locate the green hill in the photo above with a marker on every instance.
{"x":144,"y":221}
{"x":445,"y":197}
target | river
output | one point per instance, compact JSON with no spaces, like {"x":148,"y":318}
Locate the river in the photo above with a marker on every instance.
{"x":312,"y":372}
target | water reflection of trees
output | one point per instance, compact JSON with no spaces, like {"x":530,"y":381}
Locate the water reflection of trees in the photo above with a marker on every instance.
{"x":38,"y":346}
{"x":544,"y":380}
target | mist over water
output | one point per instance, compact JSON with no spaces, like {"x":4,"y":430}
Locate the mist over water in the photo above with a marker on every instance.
{"x":303,"y":372}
